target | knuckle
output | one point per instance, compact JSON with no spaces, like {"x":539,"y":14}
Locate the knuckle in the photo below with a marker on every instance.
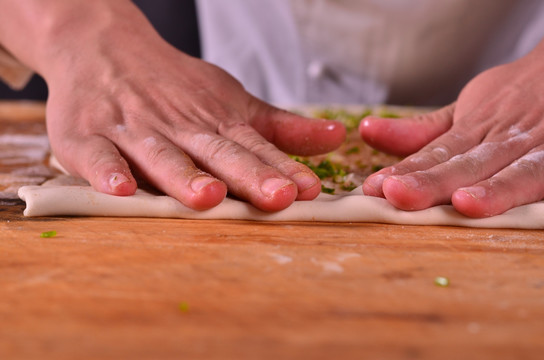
{"x":498,"y":181}
{"x":473,"y":165}
{"x":470,"y":164}
{"x":530,"y":167}
{"x":155,"y":154}
{"x":215,"y":116}
{"x":245,"y":135}
{"x":432,"y":155}
{"x":259,"y":146}
{"x":466,"y":134}
{"x":220,"y":148}
{"x":101,"y":163}
{"x":103,"y":158}
{"x":401,"y":169}
{"x":440,"y":154}
{"x":238,"y":129}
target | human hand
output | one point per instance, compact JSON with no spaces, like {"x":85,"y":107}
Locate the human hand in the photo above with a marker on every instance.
{"x":484,"y":154}
{"x":129,"y":103}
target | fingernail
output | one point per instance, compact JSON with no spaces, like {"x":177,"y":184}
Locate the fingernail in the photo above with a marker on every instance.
{"x":304,"y":180}
{"x":201,"y":182}
{"x":376,"y":181}
{"x":408,"y":181}
{"x":270,"y":186}
{"x":117,"y":179}
{"x":476,"y":192}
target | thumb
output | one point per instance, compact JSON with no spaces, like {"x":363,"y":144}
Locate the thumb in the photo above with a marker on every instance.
{"x":296,"y":134}
{"x":405,"y":136}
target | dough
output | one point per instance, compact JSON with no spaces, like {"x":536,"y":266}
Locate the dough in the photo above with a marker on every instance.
{"x":64,"y":196}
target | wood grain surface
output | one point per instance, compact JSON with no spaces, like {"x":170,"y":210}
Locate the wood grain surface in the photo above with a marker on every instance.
{"x":128,"y":288}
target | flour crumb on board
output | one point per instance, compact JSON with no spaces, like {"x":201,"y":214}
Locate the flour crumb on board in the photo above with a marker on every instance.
{"x":473,"y":328}
{"x":346,"y":256}
{"x":334,"y":266}
{"x":329,"y":267}
{"x":281,"y":259}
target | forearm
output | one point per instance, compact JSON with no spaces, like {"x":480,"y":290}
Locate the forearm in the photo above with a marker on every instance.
{"x":54,"y":35}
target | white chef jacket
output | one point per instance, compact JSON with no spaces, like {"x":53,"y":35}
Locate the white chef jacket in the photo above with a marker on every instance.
{"x":409,"y":52}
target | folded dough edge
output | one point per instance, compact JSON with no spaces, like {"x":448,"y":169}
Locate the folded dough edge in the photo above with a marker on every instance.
{"x":58,"y":200}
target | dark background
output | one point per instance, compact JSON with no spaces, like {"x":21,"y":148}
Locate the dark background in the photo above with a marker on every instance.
{"x":175,"y":20}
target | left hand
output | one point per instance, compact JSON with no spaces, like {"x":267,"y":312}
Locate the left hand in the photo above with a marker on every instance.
{"x":484,"y":154}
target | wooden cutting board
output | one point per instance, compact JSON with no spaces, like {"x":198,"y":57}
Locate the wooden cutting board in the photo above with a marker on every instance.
{"x":111,"y":288}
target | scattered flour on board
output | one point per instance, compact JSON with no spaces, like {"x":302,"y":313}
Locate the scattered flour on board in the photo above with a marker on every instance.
{"x":335,"y":267}
{"x":329,"y":267}
{"x":281,"y":259}
{"x":20,"y":149}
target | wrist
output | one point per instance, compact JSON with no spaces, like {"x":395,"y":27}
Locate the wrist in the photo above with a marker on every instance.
{"x":57,"y":36}
{"x":79,"y":39}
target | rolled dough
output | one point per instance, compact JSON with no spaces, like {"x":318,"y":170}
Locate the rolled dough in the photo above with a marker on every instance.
{"x":66,"y":195}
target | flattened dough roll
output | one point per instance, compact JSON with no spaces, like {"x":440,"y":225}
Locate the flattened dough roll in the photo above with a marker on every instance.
{"x":63,"y":196}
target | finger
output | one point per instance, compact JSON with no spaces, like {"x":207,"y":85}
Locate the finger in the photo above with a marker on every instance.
{"x":245,"y":174}
{"x":307,"y":182}
{"x":422,"y":189}
{"x":439,"y":151}
{"x":170,"y":170}
{"x":296,"y":134}
{"x":373,"y":184}
{"x":503,"y":191}
{"x":105,"y":169}
{"x":406,"y":135}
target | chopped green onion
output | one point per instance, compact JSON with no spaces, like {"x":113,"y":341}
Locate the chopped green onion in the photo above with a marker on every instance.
{"x":348,"y":187}
{"x":442,"y":281}
{"x":183,"y":307}
{"x":388,"y":114}
{"x":365,"y":113}
{"x":327,"y":190}
{"x":349,"y":119}
{"x":327,"y":114}
{"x":325,"y":169}
{"x":353,"y":150}
{"x":48,"y":234}
{"x":376,"y":168}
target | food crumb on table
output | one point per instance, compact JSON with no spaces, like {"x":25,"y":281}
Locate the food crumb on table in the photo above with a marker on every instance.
{"x":183,"y":307}
{"x":48,"y":234}
{"x":441,"y":281}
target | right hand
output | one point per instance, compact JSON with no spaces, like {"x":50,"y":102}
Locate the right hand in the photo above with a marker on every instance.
{"x":484,"y":154}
